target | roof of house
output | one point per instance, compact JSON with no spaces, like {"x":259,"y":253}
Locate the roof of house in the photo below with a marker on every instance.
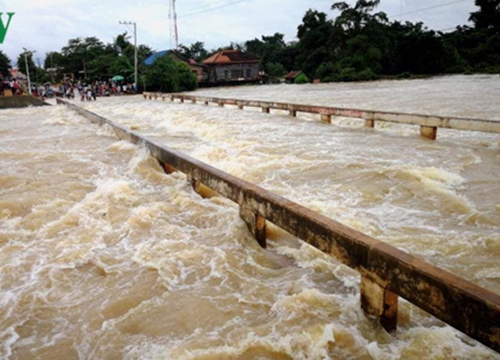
{"x":151,"y":59}
{"x":293,"y":74}
{"x":231,"y":57}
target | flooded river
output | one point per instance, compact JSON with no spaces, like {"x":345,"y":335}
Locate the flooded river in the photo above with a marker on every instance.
{"x":104,"y":256}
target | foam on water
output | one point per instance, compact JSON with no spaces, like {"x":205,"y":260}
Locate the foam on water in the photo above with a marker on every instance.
{"x":105,"y":256}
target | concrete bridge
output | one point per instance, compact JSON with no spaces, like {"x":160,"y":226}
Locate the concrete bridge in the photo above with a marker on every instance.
{"x":428,"y":123}
{"x":386,"y":272}
{"x":12,"y":102}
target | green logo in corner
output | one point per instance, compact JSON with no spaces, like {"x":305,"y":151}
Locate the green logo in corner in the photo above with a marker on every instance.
{"x":3,"y":28}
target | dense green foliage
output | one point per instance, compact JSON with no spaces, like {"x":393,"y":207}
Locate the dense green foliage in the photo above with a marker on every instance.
{"x":363,"y":44}
{"x":90,"y":59}
{"x":37,"y":74}
{"x":359,"y":43}
{"x":4,"y":64}
{"x":195,"y":51}
{"x":167,"y":75}
{"x":301,"y":79}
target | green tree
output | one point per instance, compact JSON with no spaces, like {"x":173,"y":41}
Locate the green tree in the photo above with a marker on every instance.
{"x":313,"y":35}
{"x":195,"y":51}
{"x":121,"y":65}
{"x":162,"y":75}
{"x":275,"y":69}
{"x":21,"y":64}
{"x":301,"y":79}
{"x":271,"y":49}
{"x":187,"y":79}
{"x":488,"y":15}
{"x":81,"y":51}
{"x":4,"y":64}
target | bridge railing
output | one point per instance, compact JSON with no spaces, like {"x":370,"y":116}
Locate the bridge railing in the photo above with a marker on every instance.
{"x":386,"y":272}
{"x":428,"y":123}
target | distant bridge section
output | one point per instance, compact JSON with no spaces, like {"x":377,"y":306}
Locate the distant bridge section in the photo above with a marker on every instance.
{"x":428,"y":123}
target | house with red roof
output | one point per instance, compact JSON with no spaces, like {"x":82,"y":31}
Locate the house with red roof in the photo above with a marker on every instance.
{"x":232,"y":65}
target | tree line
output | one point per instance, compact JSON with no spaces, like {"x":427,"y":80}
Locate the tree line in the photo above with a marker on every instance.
{"x":358,"y":44}
{"x":363,"y":44}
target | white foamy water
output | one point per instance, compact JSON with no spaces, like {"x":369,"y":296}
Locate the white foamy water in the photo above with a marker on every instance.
{"x":104,"y":256}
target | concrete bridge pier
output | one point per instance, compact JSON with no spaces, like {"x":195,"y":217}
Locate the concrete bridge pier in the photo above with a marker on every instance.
{"x":221,"y":104}
{"x":429,"y":132}
{"x":293,"y":113}
{"x":326,"y":118}
{"x":240,"y":106}
{"x":193,"y":101}
{"x":380,"y":303}
{"x":205,"y":102}
{"x":370,"y":123}
{"x":195,"y":184}
{"x":266,"y":110}
{"x":256,"y":224}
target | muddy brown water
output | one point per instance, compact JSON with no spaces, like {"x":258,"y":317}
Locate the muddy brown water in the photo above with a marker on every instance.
{"x":103,"y":256}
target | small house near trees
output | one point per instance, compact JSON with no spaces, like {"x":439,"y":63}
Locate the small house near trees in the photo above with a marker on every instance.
{"x":200,"y":70}
{"x":232,"y":65}
{"x":291,"y":76}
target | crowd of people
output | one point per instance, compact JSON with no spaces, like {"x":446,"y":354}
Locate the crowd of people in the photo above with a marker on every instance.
{"x":13,"y":85}
{"x":88,"y":92}
{"x":68,"y":89}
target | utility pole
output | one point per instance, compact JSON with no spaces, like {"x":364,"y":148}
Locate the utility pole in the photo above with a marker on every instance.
{"x":126,"y":23}
{"x":26,"y":52}
{"x":52,"y":66}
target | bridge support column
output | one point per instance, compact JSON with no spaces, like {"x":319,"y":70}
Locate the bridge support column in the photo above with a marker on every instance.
{"x":326,"y":118}
{"x":168,"y":169}
{"x":163,"y":98}
{"x":195,"y":184}
{"x":156,"y":96}
{"x":293,"y":113}
{"x":266,"y":110}
{"x":205,"y":102}
{"x":429,"y":132}
{"x":379,"y":302}
{"x":182,"y":100}
{"x":241,"y":107}
{"x":193,"y":101}
{"x":370,"y":123}
{"x":256,"y":224}
{"x":221,"y":104}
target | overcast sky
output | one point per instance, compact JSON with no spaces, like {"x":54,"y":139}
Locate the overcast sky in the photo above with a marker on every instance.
{"x":47,"y":25}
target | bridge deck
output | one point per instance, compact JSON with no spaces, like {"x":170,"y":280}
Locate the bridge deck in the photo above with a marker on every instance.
{"x":428,"y":123}
{"x":386,"y":271}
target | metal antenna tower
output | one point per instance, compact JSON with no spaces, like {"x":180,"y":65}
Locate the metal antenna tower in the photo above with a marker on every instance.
{"x":172,"y":16}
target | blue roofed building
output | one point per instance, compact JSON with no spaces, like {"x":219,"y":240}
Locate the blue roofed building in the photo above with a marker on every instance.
{"x":199,"y":70}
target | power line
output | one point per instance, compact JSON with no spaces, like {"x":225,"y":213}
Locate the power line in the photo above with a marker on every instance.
{"x":211,"y":9}
{"x":204,"y":7}
{"x":428,"y":8}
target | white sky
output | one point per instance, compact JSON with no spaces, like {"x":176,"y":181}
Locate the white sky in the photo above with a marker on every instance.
{"x":47,"y":25}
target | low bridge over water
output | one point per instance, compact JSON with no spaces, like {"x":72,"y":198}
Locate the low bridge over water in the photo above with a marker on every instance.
{"x":428,"y":123}
{"x":386,"y":272}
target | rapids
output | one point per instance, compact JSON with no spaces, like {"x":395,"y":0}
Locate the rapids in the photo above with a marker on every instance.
{"x":104,"y":256}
